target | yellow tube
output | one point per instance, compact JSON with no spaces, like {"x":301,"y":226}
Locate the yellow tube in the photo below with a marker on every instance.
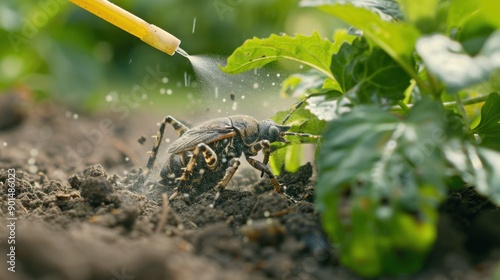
{"x":134,"y":25}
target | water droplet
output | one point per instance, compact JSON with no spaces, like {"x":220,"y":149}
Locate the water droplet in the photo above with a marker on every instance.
{"x":164,"y":80}
{"x":167,"y":140}
{"x":125,"y":172}
{"x":144,"y":96}
{"x":267,"y":214}
{"x":162,"y":91}
{"x":255,"y":85}
{"x":242,"y":97}
{"x":223,"y":100}
{"x":235,"y":106}
{"x":75,"y":116}
{"x":219,"y":111}
{"x":169,"y":91}
{"x":194,"y":24}
{"x":278,"y":75}
{"x":33,"y":169}
{"x":109,"y":98}
{"x":127,"y":159}
{"x":5,"y":144}
{"x":216,"y":92}
{"x":68,"y":114}
{"x":33,"y":152}
{"x":31,"y":161}
{"x":273,"y":83}
{"x":301,"y":66}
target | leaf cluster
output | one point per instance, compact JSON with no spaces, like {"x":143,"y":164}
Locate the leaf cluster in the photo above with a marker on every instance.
{"x":391,"y":98}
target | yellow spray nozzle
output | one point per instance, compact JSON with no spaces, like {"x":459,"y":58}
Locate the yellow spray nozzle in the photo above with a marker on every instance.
{"x":132,"y":24}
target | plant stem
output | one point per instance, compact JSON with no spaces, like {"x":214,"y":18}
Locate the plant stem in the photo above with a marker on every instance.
{"x":461,"y":110}
{"x":466,"y":102}
{"x":447,"y":105}
{"x":403,"y":106}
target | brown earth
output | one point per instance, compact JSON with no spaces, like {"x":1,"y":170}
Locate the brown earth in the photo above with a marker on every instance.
{"x":84,"y":212}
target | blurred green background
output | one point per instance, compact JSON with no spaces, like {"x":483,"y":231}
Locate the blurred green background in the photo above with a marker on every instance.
{"x":59,"y":51}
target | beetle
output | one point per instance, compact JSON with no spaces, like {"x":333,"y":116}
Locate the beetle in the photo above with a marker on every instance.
{"x":208,"y":154}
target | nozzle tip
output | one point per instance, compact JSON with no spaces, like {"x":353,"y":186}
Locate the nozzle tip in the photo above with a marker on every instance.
{"x":181,"y":52}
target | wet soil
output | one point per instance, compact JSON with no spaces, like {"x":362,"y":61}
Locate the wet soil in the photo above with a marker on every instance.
{"x":84,"y":211}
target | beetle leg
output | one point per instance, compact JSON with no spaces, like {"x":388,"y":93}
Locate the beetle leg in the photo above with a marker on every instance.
{"x":233,"y":166}
{"x":262,"y":167}
{"x":179,"y":127}
{"x":265,"y":146}
{"x":209,"y":157}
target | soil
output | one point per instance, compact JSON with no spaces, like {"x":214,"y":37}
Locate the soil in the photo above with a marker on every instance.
{"x":84,"y":211}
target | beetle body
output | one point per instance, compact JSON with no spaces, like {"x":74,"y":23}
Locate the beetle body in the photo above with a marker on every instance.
{"x":208,"y":154}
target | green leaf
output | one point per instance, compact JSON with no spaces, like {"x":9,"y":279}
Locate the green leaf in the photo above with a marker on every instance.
{"x":255,"y":53}
{"x":489,"y":126}
{"x":476,"y":13}
{"x":490,"y":8}
{"x":453,"y":66}
{"x":421,"y":13}
{"x":369,"y":76}
{"x":301,"y":120}
{"x":396,"y":38}
{"x":460,"y":12}
{"x":380,"y":183}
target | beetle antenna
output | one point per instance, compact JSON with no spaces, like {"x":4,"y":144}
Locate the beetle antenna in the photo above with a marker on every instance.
{"x":302,"y":135}
{"x":293,"y":110}
{"x":300,"y":104}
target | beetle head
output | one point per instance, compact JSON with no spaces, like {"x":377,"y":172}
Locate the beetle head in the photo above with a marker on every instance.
{"x":272,"y":132}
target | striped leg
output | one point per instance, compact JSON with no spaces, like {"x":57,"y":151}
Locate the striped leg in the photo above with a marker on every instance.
{"x":210,"y":159}
{"x":233,"y":166}
{"x":263,"y":145}
{"x":262,"y":167}
{"x":179,"y":128}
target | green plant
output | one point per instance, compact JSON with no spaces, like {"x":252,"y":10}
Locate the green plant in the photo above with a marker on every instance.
{"x":394,"y":99}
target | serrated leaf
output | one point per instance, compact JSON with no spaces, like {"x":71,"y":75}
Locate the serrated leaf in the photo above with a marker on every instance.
{"x":489,"y":126}
{"x":447,"y":60}
{"x":396,"y":38}
{"x":313,"y":51}
{"x":374,"y":171}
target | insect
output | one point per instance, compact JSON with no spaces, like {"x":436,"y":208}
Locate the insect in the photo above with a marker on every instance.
{"x":208,"y":154}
